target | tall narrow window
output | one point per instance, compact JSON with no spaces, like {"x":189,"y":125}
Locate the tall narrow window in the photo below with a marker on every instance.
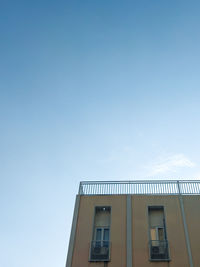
{"x":100,"y":245}
{"x":158,"y":236}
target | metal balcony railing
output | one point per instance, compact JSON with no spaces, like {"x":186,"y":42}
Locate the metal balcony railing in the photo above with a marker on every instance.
{"x":154,"y":187}
{"x":159,"y":250}
{"x":100,"y":251}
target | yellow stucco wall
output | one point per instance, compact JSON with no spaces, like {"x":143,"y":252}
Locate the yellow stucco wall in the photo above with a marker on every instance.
{"x":174,"y":225}
{"x":140,"y":203}
{"x":85,"y":230}
{"x":192,"y":213}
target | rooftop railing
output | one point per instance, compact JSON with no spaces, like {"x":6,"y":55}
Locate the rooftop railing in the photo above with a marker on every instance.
{"x":153,"y":187}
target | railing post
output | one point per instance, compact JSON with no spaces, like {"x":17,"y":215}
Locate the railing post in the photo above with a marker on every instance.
{"x":185,"y":225}
{"x":80,"y":191}
{"x":179,"y":189}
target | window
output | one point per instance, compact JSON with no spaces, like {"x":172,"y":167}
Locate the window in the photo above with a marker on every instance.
{"x":100,"y":245}
{"x":102,"y":236}
{"x":158,"y":243}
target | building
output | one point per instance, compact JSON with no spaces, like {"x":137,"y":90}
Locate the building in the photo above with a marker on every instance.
{"x":136,"y":224}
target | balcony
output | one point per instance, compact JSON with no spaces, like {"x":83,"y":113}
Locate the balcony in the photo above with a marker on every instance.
{"x":100,"y":251}
{"x":159,"y":250}
{"x":154,"y":187}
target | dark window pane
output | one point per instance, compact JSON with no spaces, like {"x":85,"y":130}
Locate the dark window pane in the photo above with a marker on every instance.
{"x":106,"y":235}
{"x":98,"y":234}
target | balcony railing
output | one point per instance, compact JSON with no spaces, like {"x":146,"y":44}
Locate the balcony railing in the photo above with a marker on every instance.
{"x":100,"y":251}
{"x":159,"y":250}
{"x":155,"y":187}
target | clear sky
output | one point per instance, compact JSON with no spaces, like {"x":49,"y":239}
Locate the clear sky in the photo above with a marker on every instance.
{"x":90,"y":90}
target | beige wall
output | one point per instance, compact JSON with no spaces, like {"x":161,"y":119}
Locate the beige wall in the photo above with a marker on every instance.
{"x":192,"y":213}
{"x":140,"y":203}
{"x":85,"y":230}
{"x":174,"y":225}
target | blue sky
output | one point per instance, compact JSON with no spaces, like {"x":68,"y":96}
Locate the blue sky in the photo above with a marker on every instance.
{"x":90,"y":90}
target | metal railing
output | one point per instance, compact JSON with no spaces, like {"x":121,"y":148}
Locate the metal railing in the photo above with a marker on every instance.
{"x":153,"y":187}
{"x":100,"y":251}
{"x":159,"y":250}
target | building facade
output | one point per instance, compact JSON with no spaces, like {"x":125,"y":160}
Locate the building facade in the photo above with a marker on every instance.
{"x":133,"y":224}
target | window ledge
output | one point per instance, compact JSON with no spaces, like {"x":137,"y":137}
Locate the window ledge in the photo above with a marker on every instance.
{"x":159,"y":259}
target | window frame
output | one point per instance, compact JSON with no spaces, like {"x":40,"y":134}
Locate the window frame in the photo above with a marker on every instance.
{"x":102,"y":233}
{"x":93,"y":232}
{"x":154,"y":207}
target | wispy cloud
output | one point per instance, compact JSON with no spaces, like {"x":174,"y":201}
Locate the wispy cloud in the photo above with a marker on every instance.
{"x":170,"y":164}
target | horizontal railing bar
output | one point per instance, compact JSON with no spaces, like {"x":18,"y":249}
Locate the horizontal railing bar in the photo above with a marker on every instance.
{"x":139,"y":182}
